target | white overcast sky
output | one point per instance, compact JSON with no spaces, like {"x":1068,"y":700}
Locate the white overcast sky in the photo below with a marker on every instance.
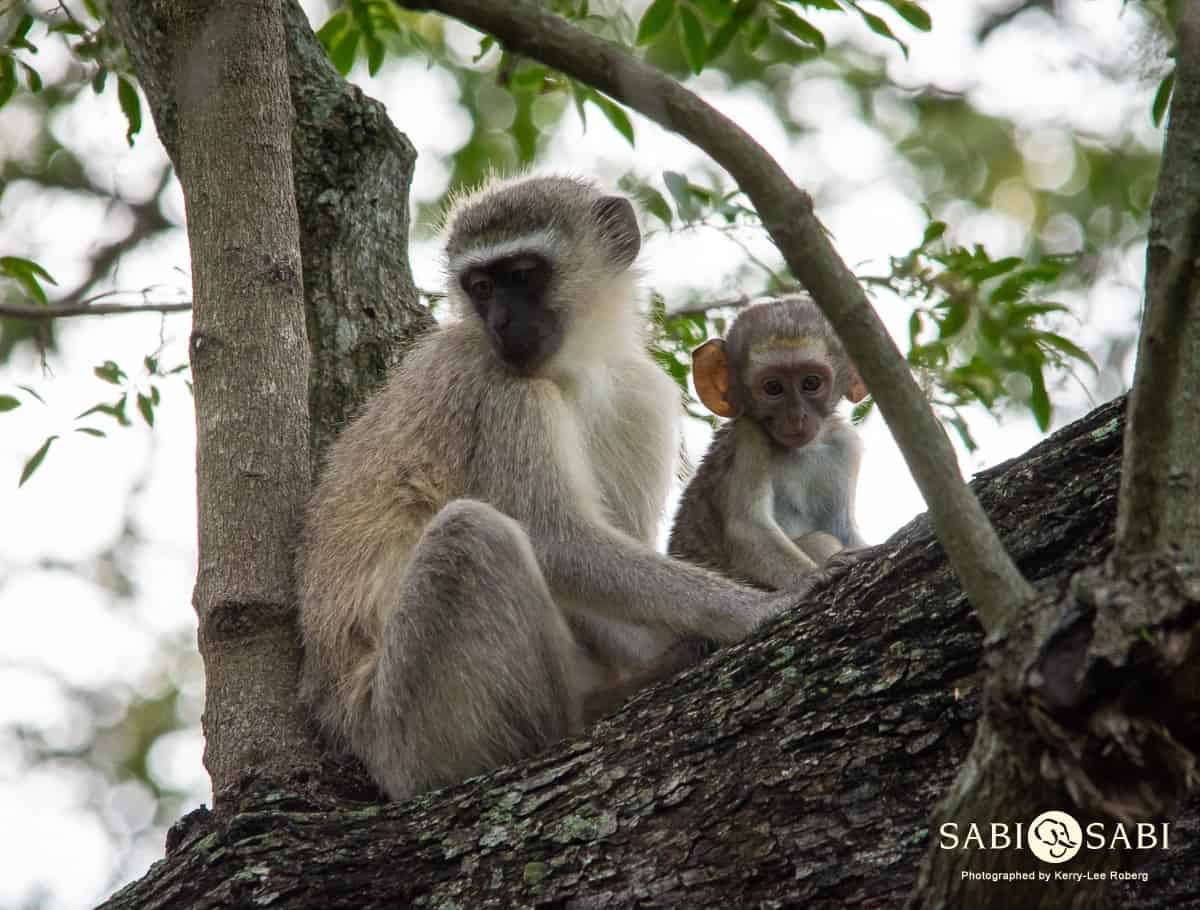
{"x":1036,"y":72}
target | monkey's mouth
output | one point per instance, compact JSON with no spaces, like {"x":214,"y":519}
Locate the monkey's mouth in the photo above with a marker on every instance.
{"x":795,"y":439}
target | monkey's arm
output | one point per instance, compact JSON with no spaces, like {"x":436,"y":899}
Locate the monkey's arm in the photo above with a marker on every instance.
{"x":585,"y":559}
{"x":758,"y":548}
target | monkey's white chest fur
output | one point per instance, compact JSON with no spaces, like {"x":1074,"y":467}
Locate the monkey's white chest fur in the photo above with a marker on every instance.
{"x":624,"y":453}
{"x":622,"y":442}
{"x":809,"y":486}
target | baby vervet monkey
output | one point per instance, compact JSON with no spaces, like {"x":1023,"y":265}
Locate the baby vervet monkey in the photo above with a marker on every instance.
{"x":773,"y":498}
{"x":477,"y":575}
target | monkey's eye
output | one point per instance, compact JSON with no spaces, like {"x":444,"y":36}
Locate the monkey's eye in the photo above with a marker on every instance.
{"x":522,"y":274}
{"x":479,"y":286}
{"x":773,"y":388}
{"x":811,"y":383}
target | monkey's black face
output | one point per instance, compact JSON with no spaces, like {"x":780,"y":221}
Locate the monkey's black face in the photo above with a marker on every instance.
{"x":511,"y":296}
{"x":790,"y":400}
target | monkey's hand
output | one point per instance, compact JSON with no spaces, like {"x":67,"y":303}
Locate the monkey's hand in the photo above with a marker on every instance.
{"x":844,"y":560}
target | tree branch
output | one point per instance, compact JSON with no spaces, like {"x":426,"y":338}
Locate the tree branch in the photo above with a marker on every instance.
{"x":1160,"y":482}
{"x":988,"y":575}
{"x":61,"y":311}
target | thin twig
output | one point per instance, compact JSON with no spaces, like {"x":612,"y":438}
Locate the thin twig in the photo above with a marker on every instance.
{"x":60,"y":311}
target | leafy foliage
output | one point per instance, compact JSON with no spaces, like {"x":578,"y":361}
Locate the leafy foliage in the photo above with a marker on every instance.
{"x":707,"y":28}
{"x":144,"y":392}
{"x":28,"y":274}
{"x":977,"y":332}
{"x":92,"y":43}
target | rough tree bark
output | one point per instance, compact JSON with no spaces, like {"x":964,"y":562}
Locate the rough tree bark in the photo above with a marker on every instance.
{"x":227,"y":78}
{"x":352,"y":169}
{"x":362,"y":312}
{"x":795,"y":769}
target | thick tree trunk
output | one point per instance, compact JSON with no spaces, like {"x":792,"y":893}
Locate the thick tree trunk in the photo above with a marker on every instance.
{"x":352,"y":169}
{"x":338,"y":158}
{"x":249,"y":353}
{"x":796,"y":769}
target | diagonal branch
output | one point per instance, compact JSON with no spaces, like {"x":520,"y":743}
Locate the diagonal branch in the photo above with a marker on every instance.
{"x":988,"y":575}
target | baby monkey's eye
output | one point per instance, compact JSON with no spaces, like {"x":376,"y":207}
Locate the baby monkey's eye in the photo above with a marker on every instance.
{"x":773,"y":388}
{"x":811,"y":383}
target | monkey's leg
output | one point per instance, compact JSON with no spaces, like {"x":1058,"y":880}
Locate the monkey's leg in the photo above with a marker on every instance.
{"x":475,"y":666}
{"x":818,"y":546}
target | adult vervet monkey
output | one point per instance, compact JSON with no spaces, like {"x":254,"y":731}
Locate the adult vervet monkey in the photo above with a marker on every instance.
{"x":477,"y":570}
{"x":773,"y":498}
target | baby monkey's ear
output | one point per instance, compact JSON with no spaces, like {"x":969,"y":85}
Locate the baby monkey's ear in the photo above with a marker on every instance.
{"x":710,"y":376}
{"x":856,"y":389}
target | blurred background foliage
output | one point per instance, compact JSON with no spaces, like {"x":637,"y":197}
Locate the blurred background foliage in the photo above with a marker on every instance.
{"x":984,"y":328}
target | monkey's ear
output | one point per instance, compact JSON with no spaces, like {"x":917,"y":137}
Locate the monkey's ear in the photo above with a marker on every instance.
{"x":619,"y":228}
{"x":710,"y":375}
{"x":856,"y":389}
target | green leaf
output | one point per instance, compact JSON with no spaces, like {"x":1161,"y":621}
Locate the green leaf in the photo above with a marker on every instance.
{"x":879,"y":27}
{"x":329,"y":33}
{"x":32,"y":392}
{"x":375,"y":54}
{"x":957,"y":312}
{"x":992,"y":269}
{"x":109,"y":371}
{"x":933,"y":231}
{"x":1039,"y":401}
{"x":680,"y":190}
{"x":115,"y":411}
{"x":67,"y":27}
{"x":1023,"y":313}
{"x":1068,"y":347}
{"x":146,"y":407}
{"x":801,"y":29}
{"x":860,"y":411}
{"x":8,"y":78}
{"x":28,"y":274}
{"x":914,"y":327}
{"x":758,"y":35}
{"x":654,"y":203}
{"x":131,"y":107}
{"x":724,"y":36}
{"x":913,"y":14}
{"x":35,"y":461}
{"x":99,"y":80}
{"x":654,"y":20}
{"x":32,"y":77}
{"x":9,"y":403}
{"x":1162,"y":98}
{"x":342,"y":53}
{"x":485,"y":44}
{"x":150,"y":362}
{"x":615,"y":115}
{"x":964,"y":432}
{"x":19,"y":33}
{"x":695,"y":46}
{"x":91,"y":431}
{"x":155,"y":397}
